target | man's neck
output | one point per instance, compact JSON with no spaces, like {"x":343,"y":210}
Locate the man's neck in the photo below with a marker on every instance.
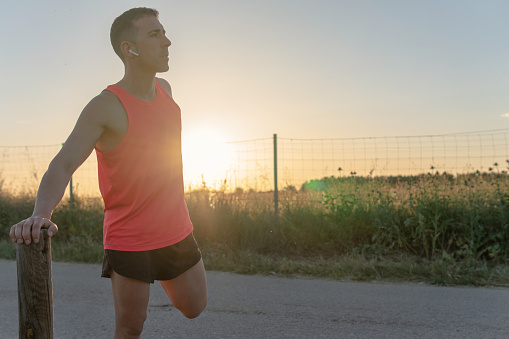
{"x":139,"y":85}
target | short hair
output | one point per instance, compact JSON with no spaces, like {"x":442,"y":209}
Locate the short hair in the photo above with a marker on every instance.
{"x":123,"y":28}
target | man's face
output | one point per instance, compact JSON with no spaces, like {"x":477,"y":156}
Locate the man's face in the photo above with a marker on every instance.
{"x":152,"y":44}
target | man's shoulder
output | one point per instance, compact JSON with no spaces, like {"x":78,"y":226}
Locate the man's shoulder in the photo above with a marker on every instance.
{"x":102,"y":106}
{"x":104,"y":101}
{"x":165,"y":85}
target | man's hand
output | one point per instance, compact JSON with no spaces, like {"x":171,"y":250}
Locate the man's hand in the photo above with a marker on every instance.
{"x":28,"y":229}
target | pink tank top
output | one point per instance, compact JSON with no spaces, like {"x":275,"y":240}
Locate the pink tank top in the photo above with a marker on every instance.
{"x":141,"y":179}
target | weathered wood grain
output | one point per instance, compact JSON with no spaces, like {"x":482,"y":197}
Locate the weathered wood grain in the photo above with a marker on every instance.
{"x":35,"y":289}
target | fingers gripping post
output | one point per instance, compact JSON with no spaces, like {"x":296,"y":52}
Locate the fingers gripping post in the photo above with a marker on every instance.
{"x":35,"y":288}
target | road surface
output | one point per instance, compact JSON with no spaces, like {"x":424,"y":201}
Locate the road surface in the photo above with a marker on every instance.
{"x":271,"y":307}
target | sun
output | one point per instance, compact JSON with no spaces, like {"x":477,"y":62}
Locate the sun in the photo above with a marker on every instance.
{"x":206,"y":156}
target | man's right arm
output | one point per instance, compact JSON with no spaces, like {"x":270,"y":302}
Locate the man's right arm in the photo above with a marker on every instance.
{"x":86,"y":133}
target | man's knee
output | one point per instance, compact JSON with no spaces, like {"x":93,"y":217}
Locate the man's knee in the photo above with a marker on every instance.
{"x":129,"y":324}
{"x":193,"y":311}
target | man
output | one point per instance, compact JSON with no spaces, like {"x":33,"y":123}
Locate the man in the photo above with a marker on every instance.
{"x":135,"y":128}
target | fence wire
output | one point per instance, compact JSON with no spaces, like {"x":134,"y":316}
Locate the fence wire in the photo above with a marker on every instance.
{"x":299,"y":160}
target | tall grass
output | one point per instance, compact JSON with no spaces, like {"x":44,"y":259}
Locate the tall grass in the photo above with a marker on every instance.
{"x":436,"y":219}
{"x":434,"y":215}
{"x":80,"y":226}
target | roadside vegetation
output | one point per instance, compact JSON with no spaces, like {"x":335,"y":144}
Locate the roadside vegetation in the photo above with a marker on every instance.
{"x":434,"y":228}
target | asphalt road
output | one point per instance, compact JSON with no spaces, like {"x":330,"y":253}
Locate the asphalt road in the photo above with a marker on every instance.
{"x":270,"y":307}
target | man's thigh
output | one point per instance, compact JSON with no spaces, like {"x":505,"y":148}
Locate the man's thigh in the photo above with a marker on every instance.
{"x":188,"y":291}
{"x":130,"y":297}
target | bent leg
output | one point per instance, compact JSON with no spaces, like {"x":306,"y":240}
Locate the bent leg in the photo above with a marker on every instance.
{"x":188,"y":291}
{"x":130,"y":297}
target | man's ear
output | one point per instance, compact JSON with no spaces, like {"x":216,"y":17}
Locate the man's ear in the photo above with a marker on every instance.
{"x":126,"y":46}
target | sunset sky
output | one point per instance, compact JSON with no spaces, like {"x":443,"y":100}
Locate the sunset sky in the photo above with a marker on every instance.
{"x":248,"y":69}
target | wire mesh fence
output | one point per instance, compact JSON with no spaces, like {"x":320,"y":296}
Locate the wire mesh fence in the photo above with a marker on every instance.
{"x":22,"y":167}
{"x":301,"y":160}
{"x":298,"y":160}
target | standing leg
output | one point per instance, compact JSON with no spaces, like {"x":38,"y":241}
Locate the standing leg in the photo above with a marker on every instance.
{"x":188,"y":291}
{"x":130,"y":297}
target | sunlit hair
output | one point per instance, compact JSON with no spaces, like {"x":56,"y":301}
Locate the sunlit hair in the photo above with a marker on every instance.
{"x":123,"y":28}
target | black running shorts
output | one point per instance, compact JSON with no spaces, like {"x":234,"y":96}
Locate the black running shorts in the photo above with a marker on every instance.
{"x":161,"y":264}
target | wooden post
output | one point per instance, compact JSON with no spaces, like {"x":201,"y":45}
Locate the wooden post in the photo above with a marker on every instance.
{"x":35,"y":289}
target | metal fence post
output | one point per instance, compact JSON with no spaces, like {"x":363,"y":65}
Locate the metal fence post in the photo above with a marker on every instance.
{"x":276,"y":201}
{"x":71,"y":195}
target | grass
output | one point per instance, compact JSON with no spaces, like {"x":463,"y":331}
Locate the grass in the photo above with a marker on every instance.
{"x":356,"y":267}
{"x":351,"y":267}
{"x":434,"y":228}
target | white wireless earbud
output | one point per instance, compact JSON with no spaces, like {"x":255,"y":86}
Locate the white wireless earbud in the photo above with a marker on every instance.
{"x":130,"y":51}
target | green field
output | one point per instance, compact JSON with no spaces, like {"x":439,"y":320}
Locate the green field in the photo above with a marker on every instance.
{"x":433,"y":228}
